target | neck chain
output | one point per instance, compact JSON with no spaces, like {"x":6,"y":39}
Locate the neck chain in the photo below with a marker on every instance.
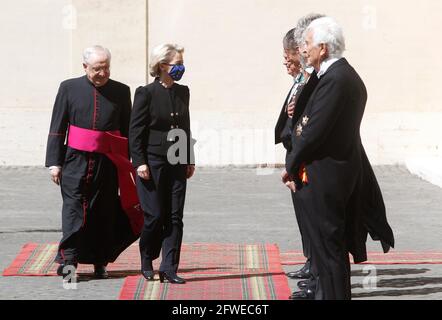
{"x":165,"y":84}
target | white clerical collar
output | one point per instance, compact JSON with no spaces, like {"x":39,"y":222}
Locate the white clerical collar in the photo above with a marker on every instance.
{"x":325,"y":65}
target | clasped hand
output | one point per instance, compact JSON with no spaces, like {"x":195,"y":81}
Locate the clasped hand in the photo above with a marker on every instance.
{"x":287,"y":179}
{"x":144,"y":173}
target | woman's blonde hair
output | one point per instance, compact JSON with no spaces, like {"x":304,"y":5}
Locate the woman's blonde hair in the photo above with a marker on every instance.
{"x":163,"y":53}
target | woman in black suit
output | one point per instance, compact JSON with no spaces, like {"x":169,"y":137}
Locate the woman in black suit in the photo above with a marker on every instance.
{"x":159,"y":108}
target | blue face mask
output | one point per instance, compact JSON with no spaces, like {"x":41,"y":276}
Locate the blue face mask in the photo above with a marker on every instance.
{"x":177,"y":71}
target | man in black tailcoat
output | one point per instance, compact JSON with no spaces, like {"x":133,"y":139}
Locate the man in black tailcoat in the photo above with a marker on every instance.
{"x":343,"y":197}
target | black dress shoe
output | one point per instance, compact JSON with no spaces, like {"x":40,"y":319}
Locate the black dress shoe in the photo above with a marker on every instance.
{"x":306,"y":294}
{"x":60,"y":269}
{"x":65,"y":269}
{"x":100,"y":272}
{"x":303,"y":273}
{"x":147,"y":270}
{"x":300,"y":274}
{"x":303,"y":283}
{"x":148,"y":274}
{"x":171,"y":277}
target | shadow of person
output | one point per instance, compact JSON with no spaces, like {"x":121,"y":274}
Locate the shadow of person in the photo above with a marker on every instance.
{"x":86,"y":277}
{"x":390,"y":272}
{"x":404,"y":282}
{"x":233,"y":276}
{"x":404,"y":285}
{"x":397,"y":293}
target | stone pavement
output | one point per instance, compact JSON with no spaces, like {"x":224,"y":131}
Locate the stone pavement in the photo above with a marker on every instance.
{"x":230,"y":205}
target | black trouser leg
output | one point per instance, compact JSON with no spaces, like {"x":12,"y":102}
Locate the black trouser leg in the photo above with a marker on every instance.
{"x":151,"y":194}
{"x":334,"y":278}
{"x":299,"y":205}
{"x":162,"y":200}
{"x":330,"y":261}
{"x":173,"y":226}
{"x":302,"y":200}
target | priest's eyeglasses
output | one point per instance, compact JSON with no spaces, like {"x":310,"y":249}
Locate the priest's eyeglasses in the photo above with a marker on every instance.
{"x":100,"y":69}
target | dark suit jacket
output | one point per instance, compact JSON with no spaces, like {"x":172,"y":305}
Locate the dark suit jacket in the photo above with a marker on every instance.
{"x":284,"y":125}
{"x":156,"y":111}
{"x":282,"y":128}
{"x":337,"y":168}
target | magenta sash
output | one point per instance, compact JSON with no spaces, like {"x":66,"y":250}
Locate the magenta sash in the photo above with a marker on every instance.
{"x":115,"y":147}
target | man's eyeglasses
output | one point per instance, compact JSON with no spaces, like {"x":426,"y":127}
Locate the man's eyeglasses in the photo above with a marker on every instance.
{"x":98,"y":70}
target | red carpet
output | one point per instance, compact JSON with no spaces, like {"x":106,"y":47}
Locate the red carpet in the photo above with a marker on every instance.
{"x":38,"y":259}
{"x":215,"y":286}
{"x":212,"y":271}
{"x":226,"y":272}
{"x":399,"y":257}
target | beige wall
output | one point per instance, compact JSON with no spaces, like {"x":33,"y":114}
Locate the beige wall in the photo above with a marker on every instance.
{"x":233,"y":55}
{"x":234,"y":68}
{"x":43,"y":42}
{"x":35,"y":52}
{"x":119,"y":25}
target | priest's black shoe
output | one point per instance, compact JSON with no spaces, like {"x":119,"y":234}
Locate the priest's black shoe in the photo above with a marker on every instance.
{"x":65,"y":269}
{"x":303,"y":283}
{"x":306,"y":294}
{"x":100,"y":272}
{"x":60,"y":269}
{"x":171,"y":277}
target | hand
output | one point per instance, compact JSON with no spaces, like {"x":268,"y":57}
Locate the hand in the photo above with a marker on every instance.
{"x":56,"y":175}
{"x":287,"y":179}
{"x":190,"y":171}
{"x":291,"y":109}
{"x":143,"y":172}
{"x":285,"y":176}
{"x":291,"y":185}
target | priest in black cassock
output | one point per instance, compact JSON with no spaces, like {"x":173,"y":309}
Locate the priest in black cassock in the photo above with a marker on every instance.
{"x":91,"y":113}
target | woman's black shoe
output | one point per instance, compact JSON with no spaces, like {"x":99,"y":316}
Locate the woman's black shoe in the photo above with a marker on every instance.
{"x":147,"y":270}
{"x":171,"y":277}
{"x":148,"y":275}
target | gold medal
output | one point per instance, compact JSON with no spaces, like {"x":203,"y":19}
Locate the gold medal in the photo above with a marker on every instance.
{"x":304,"y":120}
{"x":298,"y":130}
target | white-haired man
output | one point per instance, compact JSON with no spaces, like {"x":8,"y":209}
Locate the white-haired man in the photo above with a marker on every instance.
{"x":344,"y":199}
{"x":88,"y":157}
